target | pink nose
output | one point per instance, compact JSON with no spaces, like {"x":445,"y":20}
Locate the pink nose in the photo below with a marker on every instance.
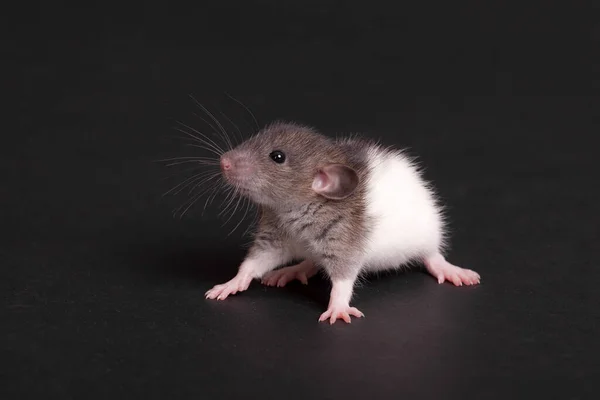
{"x":225,"y":163}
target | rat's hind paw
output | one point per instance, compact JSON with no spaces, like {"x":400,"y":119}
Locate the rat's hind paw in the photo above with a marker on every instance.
{"x":237,"y":284}
{"x":282,"y":276}
{"x":443,"y":271}
{"x":334,"y":313}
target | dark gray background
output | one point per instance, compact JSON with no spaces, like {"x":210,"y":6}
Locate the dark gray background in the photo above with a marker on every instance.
{"x":102,"y":289}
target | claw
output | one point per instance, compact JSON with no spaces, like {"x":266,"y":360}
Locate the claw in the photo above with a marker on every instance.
{"x":444,"y":271}
{"x":334,"y":313}
{"x":221,"y":292}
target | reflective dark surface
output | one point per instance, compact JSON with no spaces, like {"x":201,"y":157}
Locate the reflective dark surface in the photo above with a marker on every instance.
{"x":102,"y":289}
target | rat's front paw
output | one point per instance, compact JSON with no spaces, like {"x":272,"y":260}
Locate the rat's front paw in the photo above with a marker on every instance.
{"x":237,"y":284}
{"x":336,"y":312}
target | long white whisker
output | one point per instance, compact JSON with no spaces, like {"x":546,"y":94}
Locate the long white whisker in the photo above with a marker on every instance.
{"x":215,"y":132}
{"x":203,"y":182}
{"x":235,"y":209}
{"x":234,"y":195}
{"x":192,"y":202}
{"x":191,"y":136}
{"x":218,"y":186}
{"x":243,"y":217}
{"x":230,"y":197}
{"x":247,"y":109}
{"x":184,"y":171}
{"x":216,"y":149}
{"x":204,"y":163}
{"x":189,"y":158}
{"x":214,"y":195}
{"x":212,"y":117}
{"x":253,"y":222}
{"x":225,"y":131}
{"x":195,"y":145}
{"x":192,"y":178}
{"x":189,"y":181}
{"x":209,"y":148}
{"x":210,"y":187}
{"x":221,"y":134}
{"x":202,"y":135}
{"x":236,"y":128}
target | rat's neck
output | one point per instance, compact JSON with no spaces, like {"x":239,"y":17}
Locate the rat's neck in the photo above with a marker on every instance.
{"x":296,"y":208}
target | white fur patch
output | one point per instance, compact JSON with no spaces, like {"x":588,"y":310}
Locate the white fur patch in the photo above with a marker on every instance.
{"x":407,"y":222}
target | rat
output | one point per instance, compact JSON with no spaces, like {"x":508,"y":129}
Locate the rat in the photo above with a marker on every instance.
{"x":346,"y":206}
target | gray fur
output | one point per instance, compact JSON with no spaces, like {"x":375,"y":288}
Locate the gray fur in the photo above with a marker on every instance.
{"x":292,"y":216}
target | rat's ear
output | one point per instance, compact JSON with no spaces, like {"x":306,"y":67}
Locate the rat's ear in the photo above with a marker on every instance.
{"x":335,"y":181}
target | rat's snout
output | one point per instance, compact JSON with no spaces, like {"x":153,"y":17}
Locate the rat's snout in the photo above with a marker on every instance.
{"x":235,"y":165}
{"x":225,"y":163}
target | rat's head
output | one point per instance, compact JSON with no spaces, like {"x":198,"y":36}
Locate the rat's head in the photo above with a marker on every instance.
{"x":286,"y":164}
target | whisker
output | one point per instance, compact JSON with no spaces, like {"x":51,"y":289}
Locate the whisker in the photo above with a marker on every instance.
{"x":243,"y":217}
{"x":214,"y":195}
{"x":184,"y":171}
{"x":234,"y":210}
{"x":253,"y":222}
{"x":196,"y":185}
{"x":188,"y":182}
{"x":196,"y":176}
{"x":210,"y":188}
{"x":213,"y":118}
{"x":236,"y":128}
{"x":188,"y":158}
{"x":204,"y":163}
{"x":230,"y":197}
{"x":202,"y":135}
{"x":218,"y":186}
{"x":208,"y":140}
{"x":198,"y":140}
{"x":203,"y":108}
{"x":190,"y":136}
{"x":195,"y":145}
{"x":247,"y":109}
{"x":190,"y":203}
{"x":212,"y":150}
{"x":216,"y":132}
{"x":232,"y":203}
{"x":203,"y":182}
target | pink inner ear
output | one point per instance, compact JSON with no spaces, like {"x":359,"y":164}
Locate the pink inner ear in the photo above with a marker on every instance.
{"x":320,"y":182}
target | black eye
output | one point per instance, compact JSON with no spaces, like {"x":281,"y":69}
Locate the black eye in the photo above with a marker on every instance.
{"x":278,"y":156}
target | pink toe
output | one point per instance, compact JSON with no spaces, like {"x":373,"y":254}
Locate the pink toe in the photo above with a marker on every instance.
{"x":356,"y":312}
{"x":324,"y":316}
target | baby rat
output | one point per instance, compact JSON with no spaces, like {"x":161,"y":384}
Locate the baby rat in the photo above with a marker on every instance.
{"x":348,"y":206}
